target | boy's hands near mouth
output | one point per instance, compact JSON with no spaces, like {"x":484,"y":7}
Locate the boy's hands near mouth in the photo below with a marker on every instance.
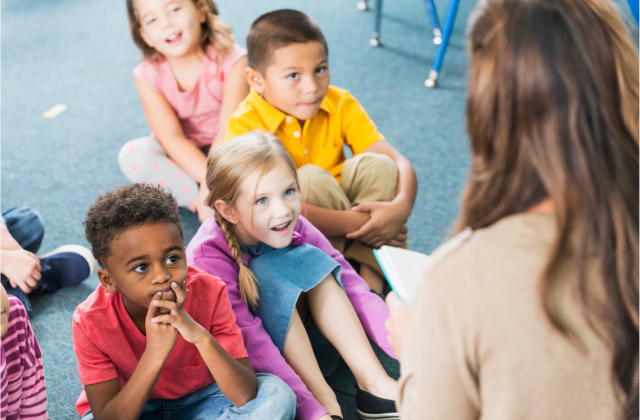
{"x":177,"y":317}
{"x":160,"y":337}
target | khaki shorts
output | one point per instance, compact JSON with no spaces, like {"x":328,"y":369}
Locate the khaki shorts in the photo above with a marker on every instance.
{"x":366,"y":178}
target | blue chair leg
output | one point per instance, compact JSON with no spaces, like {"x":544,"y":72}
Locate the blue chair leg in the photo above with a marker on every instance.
{"x":433,"y":18}
{"x":449,"y":20}
{"x":633,"y":5}
{"x":376,"y":41}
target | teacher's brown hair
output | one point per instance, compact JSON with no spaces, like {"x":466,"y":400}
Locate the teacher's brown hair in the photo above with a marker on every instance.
{"x":553,"y":113}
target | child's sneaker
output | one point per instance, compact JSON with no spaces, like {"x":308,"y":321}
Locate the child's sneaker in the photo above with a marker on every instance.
{"x":371,"y":407}
{"x":64,"y":267}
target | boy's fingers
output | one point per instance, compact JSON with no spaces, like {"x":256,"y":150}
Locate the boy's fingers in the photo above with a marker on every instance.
{"x":152,"y":308}
{"x":360,"y":233}
{"x":162,"y":319}
{"x":36,"y":274}
{"x":168,"y":304}
{"x":180,"y":294}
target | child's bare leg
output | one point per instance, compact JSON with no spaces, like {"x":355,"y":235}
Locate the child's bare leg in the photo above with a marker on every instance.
{"x":373,"y":280}
{"x":338,"y":321}
{"x":299,"y":355}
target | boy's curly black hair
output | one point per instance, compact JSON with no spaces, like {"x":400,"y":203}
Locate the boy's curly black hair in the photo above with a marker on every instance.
{"x":123,"y":207}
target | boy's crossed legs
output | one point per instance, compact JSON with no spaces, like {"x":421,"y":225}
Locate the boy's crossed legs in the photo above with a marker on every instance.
{"x":274,"y":400}
{"x":366,"y":178}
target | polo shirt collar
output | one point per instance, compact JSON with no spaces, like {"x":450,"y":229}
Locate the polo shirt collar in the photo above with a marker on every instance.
{"x":270,"y":115}
{"x":273,"y":117}
{"x":325,"y":105}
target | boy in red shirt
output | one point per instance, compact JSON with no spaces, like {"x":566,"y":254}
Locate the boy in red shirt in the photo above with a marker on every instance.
{"x":158,"y":338}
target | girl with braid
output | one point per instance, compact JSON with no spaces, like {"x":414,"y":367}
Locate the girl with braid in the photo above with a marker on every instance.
{"x":280,"y":270}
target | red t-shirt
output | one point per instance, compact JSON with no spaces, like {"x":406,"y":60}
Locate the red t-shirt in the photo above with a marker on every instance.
{"x":108,"y":345}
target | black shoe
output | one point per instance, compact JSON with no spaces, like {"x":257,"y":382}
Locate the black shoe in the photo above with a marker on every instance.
{"x":371,"y":407}
{"x":334,"y":417}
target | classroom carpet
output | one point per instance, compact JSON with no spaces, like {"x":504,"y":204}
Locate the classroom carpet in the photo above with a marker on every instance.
{"x":79,"y":53}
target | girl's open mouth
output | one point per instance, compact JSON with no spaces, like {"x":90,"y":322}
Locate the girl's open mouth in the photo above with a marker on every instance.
{"x":281,"y":227}
{"x":174,"y":38}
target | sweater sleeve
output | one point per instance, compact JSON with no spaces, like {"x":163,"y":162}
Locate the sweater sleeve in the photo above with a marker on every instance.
{"x":264,"y":356}
{"x":436,"y":379}
{"x":371,"y":310}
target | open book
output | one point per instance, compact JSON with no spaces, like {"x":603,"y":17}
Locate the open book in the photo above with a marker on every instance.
{"x":403,"y":269}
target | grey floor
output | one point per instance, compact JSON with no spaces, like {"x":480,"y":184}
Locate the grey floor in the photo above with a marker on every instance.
{"x":79,"y":53}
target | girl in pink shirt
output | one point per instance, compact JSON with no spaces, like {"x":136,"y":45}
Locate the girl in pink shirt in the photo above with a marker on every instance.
{"x":190,"y":82}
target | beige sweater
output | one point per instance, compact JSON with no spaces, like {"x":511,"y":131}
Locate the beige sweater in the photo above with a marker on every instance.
{"x":481,"y":346}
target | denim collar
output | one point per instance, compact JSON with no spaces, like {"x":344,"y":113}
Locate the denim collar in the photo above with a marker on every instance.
{"x":255,"y":251}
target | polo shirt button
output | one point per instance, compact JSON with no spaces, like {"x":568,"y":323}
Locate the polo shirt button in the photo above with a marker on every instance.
{"x":296,"y":134}
{"x":288,"y":119}
{"x":305,"y":151}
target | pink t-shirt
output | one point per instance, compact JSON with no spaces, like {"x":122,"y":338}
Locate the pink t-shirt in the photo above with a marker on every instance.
{"x":108,"y":345}
{"x":199,"y":108}
{"x":23,"y":393}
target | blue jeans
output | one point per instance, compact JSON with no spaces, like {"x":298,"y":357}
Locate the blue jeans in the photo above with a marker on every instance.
{"x":274,"y":401}
{"x":26,"y":227}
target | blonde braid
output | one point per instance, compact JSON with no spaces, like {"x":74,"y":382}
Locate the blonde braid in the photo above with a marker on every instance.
{"x":248,"y":281}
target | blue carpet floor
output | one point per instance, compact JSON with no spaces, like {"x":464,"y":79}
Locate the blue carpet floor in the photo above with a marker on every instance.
{"x":79,"y":53}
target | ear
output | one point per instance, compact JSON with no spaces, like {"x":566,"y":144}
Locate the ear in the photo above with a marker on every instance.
{"x":255,"y":80}
{"x":106,"y":280}
{"x":228,"y":212}
{"x":145,"y":38}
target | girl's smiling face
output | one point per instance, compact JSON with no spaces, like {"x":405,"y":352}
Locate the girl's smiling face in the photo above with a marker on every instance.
{"x":267,"y":208}
{"x":171,"y":27}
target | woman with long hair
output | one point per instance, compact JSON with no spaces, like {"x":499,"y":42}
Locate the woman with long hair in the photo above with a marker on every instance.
{"x":531,"y":312}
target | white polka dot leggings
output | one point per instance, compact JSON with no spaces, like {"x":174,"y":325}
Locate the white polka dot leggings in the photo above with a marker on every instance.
{"x":144,"y":160}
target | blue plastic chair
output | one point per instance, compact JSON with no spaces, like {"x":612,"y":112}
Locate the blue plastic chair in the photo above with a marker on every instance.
{"x":633,"y":5}
{"x":440,"y":37}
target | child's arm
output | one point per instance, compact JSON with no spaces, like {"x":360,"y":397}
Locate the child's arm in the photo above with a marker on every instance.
{"x":387,"y":218}
{"x":165,"y":125}
{"x":234,"y":377}
{"x":235,"y":90}
{"x":108,"y":401}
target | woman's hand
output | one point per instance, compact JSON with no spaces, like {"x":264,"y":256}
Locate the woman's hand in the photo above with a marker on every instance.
{"x":398,"y":324}
{"x":189,"y":329}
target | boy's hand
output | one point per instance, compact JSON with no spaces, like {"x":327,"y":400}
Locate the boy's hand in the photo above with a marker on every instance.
{"x":178,"y":318}
{"x":386,"y":221}
{"x":160,"y":337}
{"x":22,"y":268}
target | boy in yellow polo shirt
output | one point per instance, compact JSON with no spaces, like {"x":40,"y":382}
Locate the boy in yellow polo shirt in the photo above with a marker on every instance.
{"x":359,"y":203}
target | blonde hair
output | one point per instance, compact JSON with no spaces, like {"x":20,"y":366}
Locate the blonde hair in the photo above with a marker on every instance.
{"x":215,"y":33}
{"x":228,"y":166}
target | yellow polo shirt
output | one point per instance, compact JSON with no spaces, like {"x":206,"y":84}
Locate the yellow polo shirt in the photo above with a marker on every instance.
{"x":340,"y":120}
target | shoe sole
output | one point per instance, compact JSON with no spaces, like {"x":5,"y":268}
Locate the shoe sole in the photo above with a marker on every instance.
{"x":385,"y":416}
{"x":77,"y":249}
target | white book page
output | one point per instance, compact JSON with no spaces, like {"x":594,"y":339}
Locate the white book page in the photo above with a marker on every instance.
{"x":405,"y":269}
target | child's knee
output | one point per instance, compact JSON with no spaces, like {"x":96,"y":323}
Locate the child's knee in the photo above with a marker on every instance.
{"x":320,"y":188}
{"x":275,"y":397}
{"x":367,"y":165}
{"x":370,"y":177}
